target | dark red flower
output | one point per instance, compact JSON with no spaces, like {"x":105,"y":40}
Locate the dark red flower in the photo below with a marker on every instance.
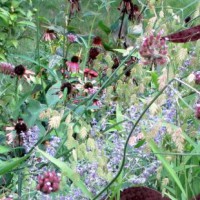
{"x":141,"y":193}
{"x":187,"y":35}
{"x":93,"y":74}
{"x":49,"y":182}
{"x":93,"y":53}
{"x":97,"y":41}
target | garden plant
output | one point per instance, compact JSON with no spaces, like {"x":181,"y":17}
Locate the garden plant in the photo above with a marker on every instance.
{"x":99,"y":99}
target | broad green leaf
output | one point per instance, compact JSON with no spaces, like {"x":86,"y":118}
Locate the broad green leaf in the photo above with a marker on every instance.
{"x":4,"y":149}
{"x":167,"y":166}
{"x":51,"y":97}
{"x":67,"y":171}
{"x":7,"y":166}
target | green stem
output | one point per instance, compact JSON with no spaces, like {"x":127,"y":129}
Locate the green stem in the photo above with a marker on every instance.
{"x":20,"y":185}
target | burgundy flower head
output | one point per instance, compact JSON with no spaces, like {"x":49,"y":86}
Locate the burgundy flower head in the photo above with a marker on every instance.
{"x":154,"y":50}
{"x":48,"y":182}
{"x":93,"y":53}
{"x":141,"y":193}
{"x":97,"y":41}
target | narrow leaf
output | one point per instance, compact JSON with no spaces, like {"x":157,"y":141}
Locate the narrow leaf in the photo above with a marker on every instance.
{"x":166,"y":165}
{"x":11,"y":164}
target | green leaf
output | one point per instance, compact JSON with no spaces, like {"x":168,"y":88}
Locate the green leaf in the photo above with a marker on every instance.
{"x":67,"y":171}
{"x":167,"y":166}
{"x":26,"y":23}
{"x":4,"y":149}
{"x":103,"y":27}
{"x":154,"y":77}
{"x":140,"y":143}
{"x":119,"y":116}
{"x":7,"y":166}
{"x":51,"y":96}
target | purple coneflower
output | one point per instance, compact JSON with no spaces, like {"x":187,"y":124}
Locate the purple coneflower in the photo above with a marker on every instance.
{"x":49,"y":35}
{"x":73,"y":65}
{"x":22,"y":71}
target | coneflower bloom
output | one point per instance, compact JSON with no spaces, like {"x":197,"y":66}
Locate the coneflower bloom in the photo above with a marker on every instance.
{"x":19,"y":127}
{"x":96,"y":102}
{"x":49,"y":35}
{"x":73,"y":65}
{"x":89,"y":88}
{"x":7,"y":68}
{"x":22,"y":71}
{"x":64,"y":86}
